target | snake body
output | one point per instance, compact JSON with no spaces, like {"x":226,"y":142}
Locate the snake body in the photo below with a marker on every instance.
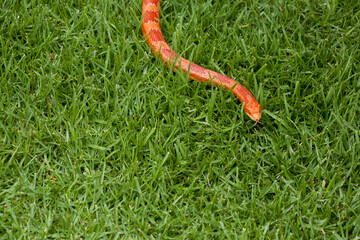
{"x":151,"y":30}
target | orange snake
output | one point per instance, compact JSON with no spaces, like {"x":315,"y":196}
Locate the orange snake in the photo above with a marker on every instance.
{"x":151,"y":30}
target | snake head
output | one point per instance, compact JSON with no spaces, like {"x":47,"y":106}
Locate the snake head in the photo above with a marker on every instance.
{"x":253,"y":110}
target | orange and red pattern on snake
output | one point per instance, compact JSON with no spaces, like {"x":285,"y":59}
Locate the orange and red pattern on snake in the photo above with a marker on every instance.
{"x":152,"y":32}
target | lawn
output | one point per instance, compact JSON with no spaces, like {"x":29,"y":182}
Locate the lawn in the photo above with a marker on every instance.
{"x":98,"y":139}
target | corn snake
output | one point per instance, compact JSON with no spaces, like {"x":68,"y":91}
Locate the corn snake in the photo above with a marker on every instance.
{"x":151,"y":30}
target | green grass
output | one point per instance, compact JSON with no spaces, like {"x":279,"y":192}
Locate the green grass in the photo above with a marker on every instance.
{"x":104,"y":141}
